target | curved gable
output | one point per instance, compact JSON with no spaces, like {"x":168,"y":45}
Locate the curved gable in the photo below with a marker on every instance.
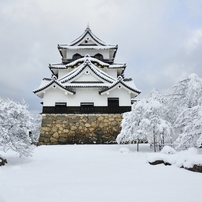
{"x":87,"y":38}
{"x":53,"y":84}
{"x":120,"y":84}
{"x":88,"y":68}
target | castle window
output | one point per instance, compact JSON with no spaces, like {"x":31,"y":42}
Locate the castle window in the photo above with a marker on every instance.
{"x":99,"y":56}
{"x":76,"y":56}
{"x":113,"y":102}
{"x":60,"y":107}
{"x":87,"y":107}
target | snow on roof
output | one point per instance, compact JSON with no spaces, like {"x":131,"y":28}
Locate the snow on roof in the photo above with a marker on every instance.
{"x":92,"y":59}
{"x":88,"y":85}
{"x":41,"y":88}
{"x":68,"y":47}
{"x":57,"y":66}
{"x":120,"y":81}
{"x":79,"y":69}
{"x":130,"y":82}
{"x":88,"y":31}
{"x":112,"y":83}
{"x":115,"y":66}
{"x":84,"y":59}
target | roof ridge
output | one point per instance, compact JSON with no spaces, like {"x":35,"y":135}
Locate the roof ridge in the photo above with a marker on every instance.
{"x":123,"y":83}
{"x":79,"y":69}
{"x":88,"y":31}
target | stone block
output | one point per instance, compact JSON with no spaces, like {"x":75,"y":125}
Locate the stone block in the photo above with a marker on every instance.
{"x":63,"y":135}
{"x":73,"y":128}
{"x":62,"y":140}
{"x":56,"y":135}
{"x":80,"y":129}
{"x":87,"y":125}
{"x":46,"y":140}
{"x":53,"y":139}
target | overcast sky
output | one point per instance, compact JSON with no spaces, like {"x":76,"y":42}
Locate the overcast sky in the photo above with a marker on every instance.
{"x":159,"y":40}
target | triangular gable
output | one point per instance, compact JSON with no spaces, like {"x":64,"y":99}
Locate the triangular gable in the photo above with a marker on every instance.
{"x":52,"y":84}
{"x":120,"y":84}
{"x":84,"y":68}
{"x":87,"y":38}
{"x":87,"y":75}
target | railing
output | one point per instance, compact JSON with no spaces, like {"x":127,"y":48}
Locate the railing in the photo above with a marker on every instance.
{"x":87,"y":110}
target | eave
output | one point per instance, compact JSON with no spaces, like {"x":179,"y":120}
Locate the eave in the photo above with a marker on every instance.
{"x":88,"y":31}
{"x":98,"y":72}
{"x":132,"y":90}
{"x":68,"y":47}
{"x":40,"y":90}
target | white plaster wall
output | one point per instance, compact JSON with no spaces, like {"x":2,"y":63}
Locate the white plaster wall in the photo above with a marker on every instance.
{"x":124,"y":96}
{"x":85,"y":95}
{"x":82,"y":95}
{"x":87,"y":77}
{"x":54,"y":95}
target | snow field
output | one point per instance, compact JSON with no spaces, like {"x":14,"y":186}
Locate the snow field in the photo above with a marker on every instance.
{"x":86,"y":173}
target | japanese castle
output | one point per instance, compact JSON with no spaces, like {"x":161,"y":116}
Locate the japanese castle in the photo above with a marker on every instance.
{"x":87,"y":80}
{"x":85,"y":97}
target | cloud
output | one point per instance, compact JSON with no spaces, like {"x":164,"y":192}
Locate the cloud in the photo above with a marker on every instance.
{"x":194,"y":41}
{"x":161,"y":41}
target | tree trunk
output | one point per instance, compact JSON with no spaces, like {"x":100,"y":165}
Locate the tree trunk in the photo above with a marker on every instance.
{"x":138,"y":145}
{"x":154,"y":140}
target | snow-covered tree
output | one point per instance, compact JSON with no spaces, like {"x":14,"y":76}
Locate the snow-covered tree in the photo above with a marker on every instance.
{"x":155,"y":117}
{"x":183,"y":103}
{"x":131,"y":132}
{"x":159,"y":131}
{"x":146,"y":121}
{"x":184,"y":94}
{"x":36,"y":127}
{"x":189,"y":122}
{"x":15,"y":127}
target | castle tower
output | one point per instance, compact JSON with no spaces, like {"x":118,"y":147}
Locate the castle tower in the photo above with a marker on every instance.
{"x":84,"y":99}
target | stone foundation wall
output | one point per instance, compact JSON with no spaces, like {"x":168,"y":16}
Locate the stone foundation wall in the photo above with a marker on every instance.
{"x":80,"y":129}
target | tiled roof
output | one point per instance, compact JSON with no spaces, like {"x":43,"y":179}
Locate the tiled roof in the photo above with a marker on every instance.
{"x":117,"y":83}
{"x":78,"y":70}
{"x":52,"y":82}
{"x":68,"y":47}
{"x":81,"y":60}
{"x":88,"y":31}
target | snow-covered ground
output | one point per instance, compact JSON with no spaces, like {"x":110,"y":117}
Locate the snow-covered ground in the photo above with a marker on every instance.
{"x":95,"y":173}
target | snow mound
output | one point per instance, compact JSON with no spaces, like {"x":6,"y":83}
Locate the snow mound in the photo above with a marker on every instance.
{"x":185,"y":159}
{"x":168,"y":150}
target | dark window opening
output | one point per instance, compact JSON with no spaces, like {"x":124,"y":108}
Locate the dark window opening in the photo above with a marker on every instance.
{"x":99,"y":56}
{"x":87,"y":107}
{"x":76,"y":56}
{"x":113,"y":102}
{"x":60,"y":107}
